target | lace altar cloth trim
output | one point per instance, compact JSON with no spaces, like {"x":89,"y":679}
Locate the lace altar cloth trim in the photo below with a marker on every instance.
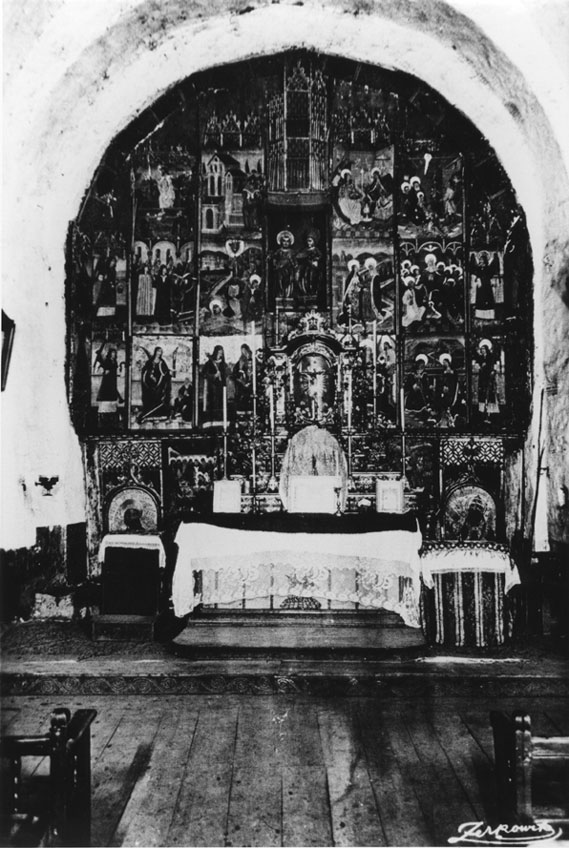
{"x":378,"y":570}
{"x":494,"y":558}
{"x":132,"y":540}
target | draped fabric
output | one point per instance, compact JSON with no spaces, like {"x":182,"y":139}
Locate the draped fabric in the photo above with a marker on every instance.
{"x":445,"y":558}
{"x":313,"y":451}
{"x":226,"y":566}
{"x":133,"y":541}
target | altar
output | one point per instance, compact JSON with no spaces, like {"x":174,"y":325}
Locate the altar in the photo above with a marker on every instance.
{"x":318,"y":562}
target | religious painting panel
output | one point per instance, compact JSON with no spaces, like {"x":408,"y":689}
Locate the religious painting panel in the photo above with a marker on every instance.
{"x":108,"y":379}
{"x":362,"y":191}
{"x":232,"y":184}
{"x":421,"y":471}
{"x":363,"y":284}
{"x":487,"y":302}
{"x":232,"y":208}
{"x":231,"y":287}
{"x":163,"y":287}
{"x":488,"y":383}
{"x":165,"y":179}
{"x":429,"y":197}
{"x":161,"y":379}
{"x":385,"y":380}
{"x":100,"y":252}
{"x":190,"y":468}
{"x":231,"y":371}
{"x":367,"y":381}
{"x":492,"y":204}
{"x":500,"y":281}
{"x":434,"y":386}
{"x":297,"y":260}
{"x":432,"y":287}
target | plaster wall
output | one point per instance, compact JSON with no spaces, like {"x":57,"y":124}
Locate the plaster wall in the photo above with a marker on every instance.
{"x":76,"y":72}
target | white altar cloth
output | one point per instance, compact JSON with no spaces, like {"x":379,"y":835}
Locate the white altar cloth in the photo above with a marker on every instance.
{"x":468,"y":556}
{"x":133,"y":541}
{"x":378,"y":570}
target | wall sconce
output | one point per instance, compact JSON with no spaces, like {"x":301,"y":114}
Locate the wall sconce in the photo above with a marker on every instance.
{"x":8,"y":332}
{"x":47,"y":484}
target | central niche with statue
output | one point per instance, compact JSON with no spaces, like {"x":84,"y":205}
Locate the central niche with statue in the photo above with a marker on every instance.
{"x":298,"y":243}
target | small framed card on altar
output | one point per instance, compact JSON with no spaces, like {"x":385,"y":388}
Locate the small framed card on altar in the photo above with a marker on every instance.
{"x":227,"y":496}
{"x":389,"y":494}
{"x":314,"y":494}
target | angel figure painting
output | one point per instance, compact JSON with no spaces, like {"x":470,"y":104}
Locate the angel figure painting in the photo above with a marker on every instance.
{"x":161,"y":383}
{"x":108,"y":376}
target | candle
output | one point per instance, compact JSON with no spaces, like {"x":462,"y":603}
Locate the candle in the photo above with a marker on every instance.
{"x":349,"y":400}
{"x":339,"y":374}
{"x":254,"y":355}
{"x":272,"y":406}
{"x":374,"y":345}
{"x":225,"y":407}
{"x":402,"y":403}
{"x":291,"y":380}
{"x":253,"y":463}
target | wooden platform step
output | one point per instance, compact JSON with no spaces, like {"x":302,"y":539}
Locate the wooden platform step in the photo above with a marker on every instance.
{"x":123,"y":628}
{"x":248,"y":631}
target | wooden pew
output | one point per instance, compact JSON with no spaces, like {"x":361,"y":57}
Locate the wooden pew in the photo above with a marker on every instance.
{"x":61,"y":815}
{"x":516,"y":753}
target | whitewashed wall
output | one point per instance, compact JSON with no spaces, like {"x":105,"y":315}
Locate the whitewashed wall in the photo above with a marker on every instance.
{"x":78,"y":70}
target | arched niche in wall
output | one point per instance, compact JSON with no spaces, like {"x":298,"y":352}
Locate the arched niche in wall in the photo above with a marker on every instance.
{"x":256,"y":194}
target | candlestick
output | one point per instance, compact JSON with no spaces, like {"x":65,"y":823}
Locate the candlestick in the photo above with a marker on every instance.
{"x":254,"y":355}
{"x":374,"y":372}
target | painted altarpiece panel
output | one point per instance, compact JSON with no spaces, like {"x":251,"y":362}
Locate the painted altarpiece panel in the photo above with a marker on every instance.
{"x":108,"y":378}
{"x":226,"y":375}
{"x":164,"y":182}
{"x":363,"y":284}
{"x":430,"y":197}
{"x":434,"y":383}
{"x":432,"y":286}
{"x":161,"y":382}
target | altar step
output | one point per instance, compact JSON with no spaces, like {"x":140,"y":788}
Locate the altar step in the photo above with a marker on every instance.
{"x":246,"y":632}
{"x":123,"y":628}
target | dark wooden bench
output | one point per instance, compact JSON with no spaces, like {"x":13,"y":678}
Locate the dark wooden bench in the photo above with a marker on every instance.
{"x":517,"y":753}
{"x":61,"y":813}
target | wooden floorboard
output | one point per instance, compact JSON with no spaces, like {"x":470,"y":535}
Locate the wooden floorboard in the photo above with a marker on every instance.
{"x":255,"y":802}
{"x":120,"y":766}
{"x":286,"y":770}
{"x":148,"y":815}
{"x":400,"y":812}
{"x":448,"y":804}
{"x":354,"y":814}
{"x":202,"y":802}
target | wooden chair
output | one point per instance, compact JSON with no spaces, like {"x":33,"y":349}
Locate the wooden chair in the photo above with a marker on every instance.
{"x":516,"y":754}
{"x":61,"y":815}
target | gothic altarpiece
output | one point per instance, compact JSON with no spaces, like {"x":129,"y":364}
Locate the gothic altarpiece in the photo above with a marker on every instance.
{"x":299,"y":241}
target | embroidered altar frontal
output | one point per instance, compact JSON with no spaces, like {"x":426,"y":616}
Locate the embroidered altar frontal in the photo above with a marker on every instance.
{"x":344,"y":568}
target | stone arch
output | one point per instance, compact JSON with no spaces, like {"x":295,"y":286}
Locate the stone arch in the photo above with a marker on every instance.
{"x":117,"y":64}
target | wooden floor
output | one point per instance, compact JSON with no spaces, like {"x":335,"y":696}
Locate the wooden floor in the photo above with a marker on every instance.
{"x":285,"y":770}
